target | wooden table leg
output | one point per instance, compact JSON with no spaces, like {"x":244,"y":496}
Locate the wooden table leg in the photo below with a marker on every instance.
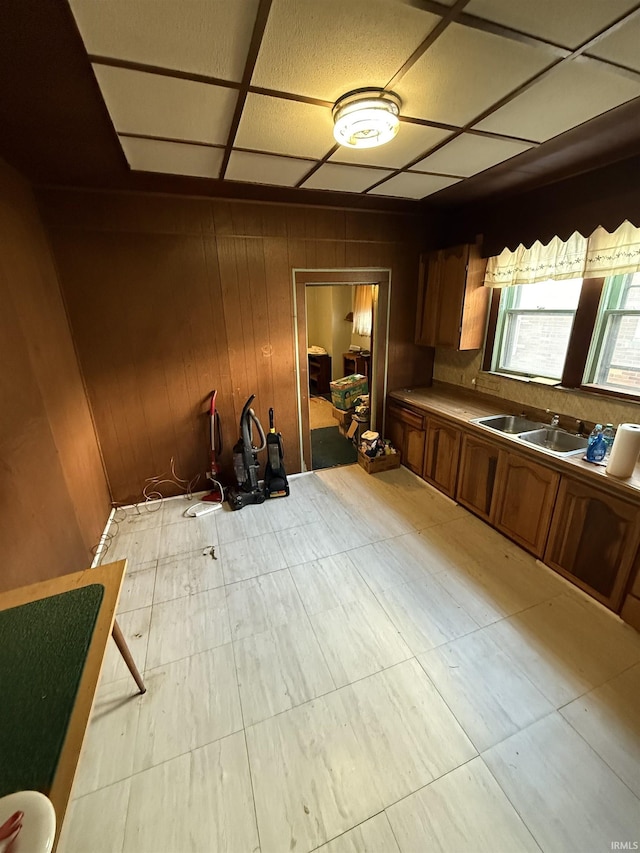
{"x":121,"y":643}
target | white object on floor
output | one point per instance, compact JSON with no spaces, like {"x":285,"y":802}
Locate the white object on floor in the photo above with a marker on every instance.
{"x":38,"y":828}
{"x":201,"y":508}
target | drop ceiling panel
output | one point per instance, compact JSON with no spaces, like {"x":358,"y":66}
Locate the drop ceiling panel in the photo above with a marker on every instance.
{"x":155,"y":105}
{"x":285,"y":127}
{"x":324,"y":49}
{"x":411,"y":141}
{"x":348,"y":179}
{"x":174,"y":158}
{"x":574,"y":93}
{"x":622,"y":46}
{"x":413,"y":185}
{"x":464,"y":72}
{"x":266,"y":169}
{"x":201,"y":36}
{"x":469,"y":154}
{"x":566,"y":22}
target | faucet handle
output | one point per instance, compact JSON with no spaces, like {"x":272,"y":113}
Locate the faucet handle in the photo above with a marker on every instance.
{"x":555,"y":421}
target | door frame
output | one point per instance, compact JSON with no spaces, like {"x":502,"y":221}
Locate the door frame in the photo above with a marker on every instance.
{"x":380,"y":276}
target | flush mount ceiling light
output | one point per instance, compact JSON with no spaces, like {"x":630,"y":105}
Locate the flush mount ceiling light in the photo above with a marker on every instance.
{"x":366,"y":118}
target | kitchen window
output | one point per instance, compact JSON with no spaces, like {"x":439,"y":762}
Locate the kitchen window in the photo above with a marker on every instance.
{"x":614,"y":359}
{"x":534,"y":328}
{"x":567,"y":312}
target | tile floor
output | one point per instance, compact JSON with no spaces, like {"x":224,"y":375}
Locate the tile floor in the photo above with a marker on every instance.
{"x":365,"y":668}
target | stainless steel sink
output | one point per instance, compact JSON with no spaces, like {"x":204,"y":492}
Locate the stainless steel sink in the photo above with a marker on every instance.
{"x":551,"y":439}
{"x":556,"y":441}
{"x":511,"y":424}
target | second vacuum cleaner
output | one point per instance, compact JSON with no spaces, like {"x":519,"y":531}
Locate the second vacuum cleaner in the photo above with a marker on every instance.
{"x":245,"y":461}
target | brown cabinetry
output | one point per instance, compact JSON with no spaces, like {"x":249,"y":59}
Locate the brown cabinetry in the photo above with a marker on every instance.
{"x":442,"y":455}
{"x":593,"y":540}
{"x":452,"y":301}
{"x":525,"y":495}
{"x":477,"y":476}
{"x":406,"y":429}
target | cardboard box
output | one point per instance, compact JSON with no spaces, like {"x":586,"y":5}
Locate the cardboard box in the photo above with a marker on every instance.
{"x":379,"y":463}
{"x":345,"y":391}
{"x":343,"y":417}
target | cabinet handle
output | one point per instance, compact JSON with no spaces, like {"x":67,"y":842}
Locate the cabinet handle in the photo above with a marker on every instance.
{"x":491,"y":479}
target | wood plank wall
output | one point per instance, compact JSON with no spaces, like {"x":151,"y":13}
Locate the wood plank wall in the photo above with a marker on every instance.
{"x":172,"y":297}
{"x":54,"y":500}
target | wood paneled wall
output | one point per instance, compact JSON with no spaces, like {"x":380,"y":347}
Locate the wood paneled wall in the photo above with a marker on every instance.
{"x":172,"y":297}
{"x":54,"y":499}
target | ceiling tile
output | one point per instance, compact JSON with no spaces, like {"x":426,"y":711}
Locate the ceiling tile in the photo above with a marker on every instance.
{"x":566,"y":22}
{"x":413,"y":185}
{"x":464,"y":72}
{"x":323,"y":50}
{"x":155,"y":105}
{"x":348,"y":179}
{"x":411,"y":141}
{"x":201,"y":36}
{"x":574,"y":93}
{"x":285,"y":127}
{"x":468,"y":154}
{"x":622,"y":45}
{"x":175,"y":158}
{"x":266,"y":169}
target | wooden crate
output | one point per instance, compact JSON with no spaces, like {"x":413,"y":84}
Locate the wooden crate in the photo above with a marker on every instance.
{"x":380,"y":463}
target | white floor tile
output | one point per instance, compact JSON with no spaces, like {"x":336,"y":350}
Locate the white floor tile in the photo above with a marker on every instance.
{"x":565,"y":793}
{"x":141,"y":517}
{"x":138,"y":546}
{"x":279,"y":669}
{"x":248,"y":558}
{"x":567,"y":645}
{"x":308,"y":542}
{"x":289,"y":512}
{"x":465,"y":811}
{"x":243,"y":523}
{"x":185,"y":536}
{"x":96,"y":822}
{"x":373,"y":836}
{"x":134,"y":625}
{"x":358,"y":639}
{"x":197,"y":803}
{"x":425,"y":614}
{"x":137,"y":589}
{"x":329,"y":583}
{"x":188,"y":704}
{"x":490,"y":696}
{"x":187,"y":574}
{"x":608,"y":718}
{"x":383,"y":565}
{"x":107,"y":752}
{"x":188,"y":625}
{"x":263,"y":602}
{"x":324,"y":767}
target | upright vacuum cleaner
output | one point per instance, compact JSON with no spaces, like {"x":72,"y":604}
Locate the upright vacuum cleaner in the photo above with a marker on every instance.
{"x":275,"y":477}
{"x":245,"y":461}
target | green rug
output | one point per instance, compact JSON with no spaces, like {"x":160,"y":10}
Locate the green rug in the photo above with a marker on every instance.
{"x":43,"y":646}
{"x":329,"y":448}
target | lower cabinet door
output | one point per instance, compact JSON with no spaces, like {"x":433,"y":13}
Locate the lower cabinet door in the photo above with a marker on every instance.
{"x":593,"y":540}
{"x":413,"y":456}
{"x":477,"y":476}
{"x":442,"y":456}
{"x":525,"y":496}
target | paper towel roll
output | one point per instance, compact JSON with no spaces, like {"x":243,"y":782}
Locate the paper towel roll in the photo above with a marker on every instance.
{"x":625,"y":451}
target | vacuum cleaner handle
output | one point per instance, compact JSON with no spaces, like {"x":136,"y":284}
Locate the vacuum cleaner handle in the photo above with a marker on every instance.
{"x":263,"y":438}
{"x":271,"y":426}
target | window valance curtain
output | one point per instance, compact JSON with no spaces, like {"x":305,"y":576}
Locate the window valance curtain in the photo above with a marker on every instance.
{"x":602,"y":254}
{"x":362,"y":309}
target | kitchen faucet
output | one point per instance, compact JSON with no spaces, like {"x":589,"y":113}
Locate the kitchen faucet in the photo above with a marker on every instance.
{"x":555,"y":421}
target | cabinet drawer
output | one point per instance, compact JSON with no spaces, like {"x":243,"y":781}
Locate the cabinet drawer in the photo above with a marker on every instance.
{"x":406,"y":416}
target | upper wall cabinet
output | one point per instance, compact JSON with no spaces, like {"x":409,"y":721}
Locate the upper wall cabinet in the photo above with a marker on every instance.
{"x":452,"y":301}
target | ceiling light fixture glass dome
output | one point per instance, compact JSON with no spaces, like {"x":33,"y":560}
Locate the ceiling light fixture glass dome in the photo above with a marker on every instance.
{"x":366,"y":118}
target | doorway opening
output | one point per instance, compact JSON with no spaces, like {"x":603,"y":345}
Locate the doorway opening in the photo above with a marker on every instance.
{"x":342,"y":328}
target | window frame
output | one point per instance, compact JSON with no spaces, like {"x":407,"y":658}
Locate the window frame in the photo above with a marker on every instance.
{"x":579,"y":347}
